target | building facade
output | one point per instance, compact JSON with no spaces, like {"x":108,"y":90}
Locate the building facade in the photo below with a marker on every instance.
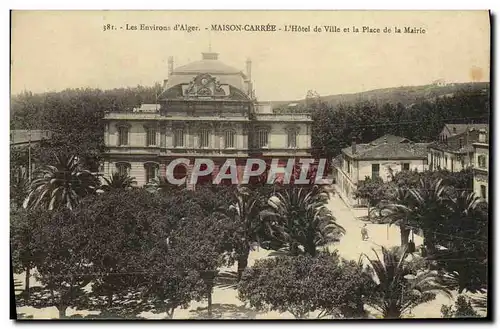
{"x":25,"y":140}
{"x":481,"y":165}
{"x":207,"y":109}
{"x":454,"y":151}
{"x":380,"y":158}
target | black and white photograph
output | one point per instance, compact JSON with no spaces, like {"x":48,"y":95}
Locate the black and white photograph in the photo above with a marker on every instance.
{"x":250,"y":165}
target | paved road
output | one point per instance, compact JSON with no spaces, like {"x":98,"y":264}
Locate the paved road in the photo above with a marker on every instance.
{"x":351,"y":245}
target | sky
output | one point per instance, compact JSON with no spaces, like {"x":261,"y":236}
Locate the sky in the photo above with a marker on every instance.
{"x":54,"y":50}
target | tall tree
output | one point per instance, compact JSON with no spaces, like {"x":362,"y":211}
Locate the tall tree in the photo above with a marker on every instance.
{"x":63,"y":184}
{"x":118,"y":181}
{"x":401,"y":285}
{"x":304,"y":219}
{"x":302,"y":285}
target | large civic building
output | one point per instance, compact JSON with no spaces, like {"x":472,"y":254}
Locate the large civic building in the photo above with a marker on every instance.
{"x":207,"y":109}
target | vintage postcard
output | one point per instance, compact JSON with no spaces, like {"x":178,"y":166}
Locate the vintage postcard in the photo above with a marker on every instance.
{"x":250,"y":164}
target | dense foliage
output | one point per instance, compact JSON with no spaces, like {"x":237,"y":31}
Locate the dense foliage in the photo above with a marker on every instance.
{"x":400,"y":284}
{"x":326,"y":285}
{"x":333,"y":128}
{"x":461,"y":309}
{"x":74,"y":116}
{"x":453,"y":221}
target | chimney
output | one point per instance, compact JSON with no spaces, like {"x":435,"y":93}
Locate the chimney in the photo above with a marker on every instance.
{"x":353,"y":145}
{"x":249,"y":68}
{"x":170,"y":65}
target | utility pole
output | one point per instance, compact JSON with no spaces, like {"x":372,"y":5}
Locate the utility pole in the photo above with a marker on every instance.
{"x":29,"y":155}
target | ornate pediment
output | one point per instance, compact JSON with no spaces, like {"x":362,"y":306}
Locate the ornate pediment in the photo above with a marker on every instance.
{"x":205,"y":85}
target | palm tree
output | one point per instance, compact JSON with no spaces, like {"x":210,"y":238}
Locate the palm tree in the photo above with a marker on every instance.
{"x":118,"y":181}
{"x":304,"y":219}
{"x":466,"y":242}
{"x":399,"y":284}
{"x":19,"y":188}
{"x":246,"y":210}
{"x":161,"y":184}
{"x":399,"y":211}
{"x":61,"y":185}
{"x":425,"y":207}
{"x":432,"y":206}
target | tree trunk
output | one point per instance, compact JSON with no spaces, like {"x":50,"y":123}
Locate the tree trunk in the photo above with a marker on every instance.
{"x":110,"y":298}
{"x":243,"y":262}
{"x":209,"y":307}
{"x":62,"y":311}
{"x":392,"y":313}
{"x":294,"y":249}
{"x":310,"y":249}
{"x":27,"y":283}
{"x":405,"y":234}
{"x":430,"y":244}
{"x":170,"y":314}
{"x":368,"y":206}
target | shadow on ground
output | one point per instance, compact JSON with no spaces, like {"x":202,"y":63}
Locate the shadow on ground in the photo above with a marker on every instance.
{"x":224,"y":311}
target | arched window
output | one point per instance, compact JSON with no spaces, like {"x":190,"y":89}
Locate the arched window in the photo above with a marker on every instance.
{"x":229,"y":137}
{"x":262,"y":138}
{"x":123,"y":168}
{"x":151,"y":171}
{"x":179,"y":137}
{"x":204,"y":138}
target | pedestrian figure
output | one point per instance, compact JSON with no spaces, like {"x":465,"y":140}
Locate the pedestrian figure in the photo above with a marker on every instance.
{"x":364,"y":233}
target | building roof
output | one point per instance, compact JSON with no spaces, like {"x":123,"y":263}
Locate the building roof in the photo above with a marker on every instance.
{"x":462,"y":128}
{"x":337,"y":161}
{"x":20,"y":136}
{"x":389,"y":139}
{"x":388,"y":147}
{"x":452,"y":148}
{"x":208,"y":64}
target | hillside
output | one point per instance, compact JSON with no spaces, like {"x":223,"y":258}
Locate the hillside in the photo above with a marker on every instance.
{"x":404,"y":95}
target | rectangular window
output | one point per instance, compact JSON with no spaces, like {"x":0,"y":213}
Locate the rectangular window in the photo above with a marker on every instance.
{"x":481,"y":161}
{"x":262,"y":138}
{"x":151,"y":137}
{"x":122,"y":136}
{"x":204,"y":138}
{"x":179,"y":138}
{"x":123,"y":169}
{"x":446,"y":162}
{"x":451,"y":164}
{"x":483,"y":191}
{"x":229,"y":139}
{"x":292,"y":139}
{"x":375,"y":170}
{"x":406,"y":166}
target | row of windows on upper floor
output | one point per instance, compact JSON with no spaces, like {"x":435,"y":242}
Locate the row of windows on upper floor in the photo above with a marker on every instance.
{"x":437,"y":160}
{"x":405,"y":166}
{"x":204,"y":135}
